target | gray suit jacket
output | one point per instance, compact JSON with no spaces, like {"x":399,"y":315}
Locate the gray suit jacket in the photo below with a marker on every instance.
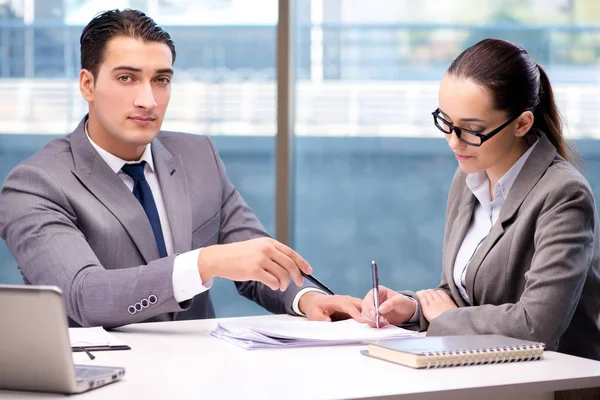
{"x":70,"y":221}
{"x":537,"y":274}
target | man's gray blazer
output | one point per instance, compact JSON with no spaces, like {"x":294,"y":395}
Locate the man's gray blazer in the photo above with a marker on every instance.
{"x":70,"y":221}
{"x":537,"y":274}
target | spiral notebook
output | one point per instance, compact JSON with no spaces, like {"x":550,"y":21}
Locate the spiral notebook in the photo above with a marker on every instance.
{"x":451,"y":351}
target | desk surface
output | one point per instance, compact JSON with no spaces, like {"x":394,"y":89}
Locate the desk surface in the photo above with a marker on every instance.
{"x":179,"y":360}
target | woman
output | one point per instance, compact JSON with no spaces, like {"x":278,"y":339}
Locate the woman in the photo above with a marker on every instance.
{"x":521,"y":248}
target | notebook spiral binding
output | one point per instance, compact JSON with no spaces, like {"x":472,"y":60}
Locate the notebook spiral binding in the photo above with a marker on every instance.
{"x":484,"y":356}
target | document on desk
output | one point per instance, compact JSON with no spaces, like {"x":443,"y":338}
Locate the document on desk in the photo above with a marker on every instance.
{"x":95,"y":338}
{"x":253,"y":334}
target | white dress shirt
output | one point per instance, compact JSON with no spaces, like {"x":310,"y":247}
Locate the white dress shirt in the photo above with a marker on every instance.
{"x":485,"y":215}
{"x":187,"y":281}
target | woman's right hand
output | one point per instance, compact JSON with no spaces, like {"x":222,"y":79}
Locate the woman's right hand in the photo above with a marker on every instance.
{"x":394,"y":308}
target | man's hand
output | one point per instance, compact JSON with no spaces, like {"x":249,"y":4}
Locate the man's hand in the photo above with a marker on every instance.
{"x":321,"y":307}
{"x":434,"y":302}
{"x":264,"y":260}
{"x":394,"y":308}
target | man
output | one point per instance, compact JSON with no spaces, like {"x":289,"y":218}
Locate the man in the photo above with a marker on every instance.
{"x":133,"y":223}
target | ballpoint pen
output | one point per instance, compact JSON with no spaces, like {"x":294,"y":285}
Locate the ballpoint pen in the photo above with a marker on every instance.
{"x":375,"y":275}
{"x":317,"y":282}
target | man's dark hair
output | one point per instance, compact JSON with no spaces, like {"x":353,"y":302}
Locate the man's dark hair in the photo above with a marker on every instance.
{"x":110,"y":24}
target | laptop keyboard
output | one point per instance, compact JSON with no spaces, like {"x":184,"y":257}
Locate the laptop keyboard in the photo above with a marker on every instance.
{"x":84,"y":372}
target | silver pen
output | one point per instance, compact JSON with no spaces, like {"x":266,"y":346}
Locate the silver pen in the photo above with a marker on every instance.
{"x":375,"y":275}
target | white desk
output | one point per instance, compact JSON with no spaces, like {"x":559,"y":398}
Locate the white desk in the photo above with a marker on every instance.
{"x":179,"y":360}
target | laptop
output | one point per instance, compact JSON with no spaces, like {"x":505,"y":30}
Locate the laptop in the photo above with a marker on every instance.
{"x":35,"y":350}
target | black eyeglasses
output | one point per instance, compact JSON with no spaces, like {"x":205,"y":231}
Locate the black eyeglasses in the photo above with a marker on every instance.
{"x":467,"y":136}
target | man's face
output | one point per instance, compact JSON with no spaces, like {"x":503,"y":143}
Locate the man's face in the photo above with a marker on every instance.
{"x":129,"y":96}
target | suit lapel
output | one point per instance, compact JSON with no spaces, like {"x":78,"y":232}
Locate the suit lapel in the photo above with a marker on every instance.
{"x":535,"y":166}
{"x":456,"y":237}
{"x":175,"y":191}
{"x":495,"y":233}
{"x":109,"y":189}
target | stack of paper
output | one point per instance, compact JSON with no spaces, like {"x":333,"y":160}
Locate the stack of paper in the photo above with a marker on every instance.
{"x":253,"y":334}
{"x":95,"y":337}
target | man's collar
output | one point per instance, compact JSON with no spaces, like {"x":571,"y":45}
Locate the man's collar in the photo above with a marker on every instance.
{"x":115,"y":163}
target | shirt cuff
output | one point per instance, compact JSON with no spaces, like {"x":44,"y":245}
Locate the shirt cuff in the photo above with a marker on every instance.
{"x":187,"y":281}
{"x":295,"y":307}
{"x":415,"y":317}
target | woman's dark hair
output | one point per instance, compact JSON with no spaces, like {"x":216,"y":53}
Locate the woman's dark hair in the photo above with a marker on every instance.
{"x":110,"y":24}
{"x":517,"y":84}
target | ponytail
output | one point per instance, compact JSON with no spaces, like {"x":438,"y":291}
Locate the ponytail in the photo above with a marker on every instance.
{"x":547,"y":118}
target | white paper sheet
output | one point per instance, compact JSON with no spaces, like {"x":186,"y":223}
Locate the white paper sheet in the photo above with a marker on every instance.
{"x":93,"y":337}
{"x":252,"y":334}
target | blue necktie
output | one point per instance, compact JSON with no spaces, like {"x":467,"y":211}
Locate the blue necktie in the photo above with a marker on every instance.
{"x":142,"y":192}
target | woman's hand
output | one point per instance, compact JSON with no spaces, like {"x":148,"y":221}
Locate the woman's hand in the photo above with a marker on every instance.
{"x":394,"y":308}
{"x":434,"y":302}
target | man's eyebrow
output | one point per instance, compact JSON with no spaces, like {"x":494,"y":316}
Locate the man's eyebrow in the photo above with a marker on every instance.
{"x":126,"y":68}
{"x":133,"y":69}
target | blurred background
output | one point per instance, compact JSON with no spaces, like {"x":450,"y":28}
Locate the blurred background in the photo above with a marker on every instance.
{"x":370,"y":171}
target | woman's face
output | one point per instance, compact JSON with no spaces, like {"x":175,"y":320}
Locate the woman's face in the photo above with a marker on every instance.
{"x":467,"y":104}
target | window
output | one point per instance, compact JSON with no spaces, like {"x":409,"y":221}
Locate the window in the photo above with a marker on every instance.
{"x":372,"y":173}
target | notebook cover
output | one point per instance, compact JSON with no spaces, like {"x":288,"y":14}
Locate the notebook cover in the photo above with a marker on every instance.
{"x":446,"y":344}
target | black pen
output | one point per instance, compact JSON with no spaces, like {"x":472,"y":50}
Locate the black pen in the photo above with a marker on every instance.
{"x":375,"y":276}
{"x":316,"y":282}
